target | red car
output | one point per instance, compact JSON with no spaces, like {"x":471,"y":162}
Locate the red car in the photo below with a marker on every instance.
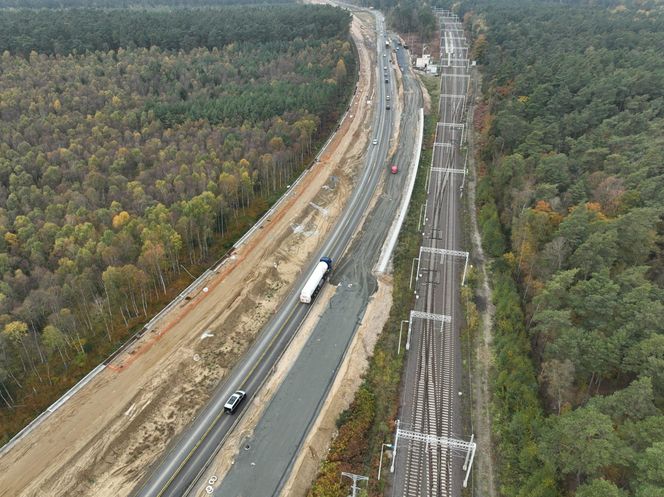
{"x":394,"y":169}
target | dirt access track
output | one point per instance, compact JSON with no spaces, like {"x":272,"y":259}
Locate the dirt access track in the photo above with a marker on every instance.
{"x":106,"y":437}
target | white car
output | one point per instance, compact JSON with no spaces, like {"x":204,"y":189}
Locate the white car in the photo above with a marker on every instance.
{"x":375,"y":142}
{"x":234,"y":401}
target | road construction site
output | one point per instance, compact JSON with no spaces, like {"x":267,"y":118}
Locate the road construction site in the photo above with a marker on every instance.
{"x":104,"y":440}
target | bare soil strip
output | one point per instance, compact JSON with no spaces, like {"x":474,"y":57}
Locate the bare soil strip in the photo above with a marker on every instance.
{"x":107,"y":436}
{"x":350,"y":372}
{"x":484,"y":475}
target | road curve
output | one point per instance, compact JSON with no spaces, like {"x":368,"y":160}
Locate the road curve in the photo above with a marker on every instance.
{"x":194,"y":448}
{"x":265,"y":459}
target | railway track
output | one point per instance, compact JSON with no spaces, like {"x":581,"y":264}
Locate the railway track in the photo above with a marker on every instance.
{"x":430,"y":399}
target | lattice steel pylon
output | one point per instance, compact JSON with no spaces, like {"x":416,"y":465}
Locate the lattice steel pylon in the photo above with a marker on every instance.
{"x":426,"y":315}
{"x":457,"y":447}
{"x":443,"y":252}
{"x":355,"y":478}
{"x":453,"y":126}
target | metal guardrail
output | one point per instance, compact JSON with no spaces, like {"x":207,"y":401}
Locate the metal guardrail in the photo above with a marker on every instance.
{"x":54,"y":407}
{"x":291,"y":187}
{"x":172,"y":304}
{"x":92,"y":374}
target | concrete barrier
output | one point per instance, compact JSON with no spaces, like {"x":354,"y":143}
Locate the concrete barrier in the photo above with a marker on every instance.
{"x":393,"y":234}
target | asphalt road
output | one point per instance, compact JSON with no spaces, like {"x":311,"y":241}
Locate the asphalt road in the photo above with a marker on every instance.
{"x":430,"y":401}
{"x":261,"y":469}
{"x":189,"y":454}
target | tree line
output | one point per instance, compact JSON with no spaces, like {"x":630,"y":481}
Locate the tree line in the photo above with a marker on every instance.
{"x":411,"y":16}
{"x":81,"y":30}
{"x":572,"y":208}
{"x":124,"y":4}
{"x":119,"y":168}
{"x":406,"y":16}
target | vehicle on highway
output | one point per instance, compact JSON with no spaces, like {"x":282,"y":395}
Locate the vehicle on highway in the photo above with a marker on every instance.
{"x":316,"y":280}
{"x":387,"y":107}
{"x":388,"y":98}
{"x":234,"y":401}
{"x":387,"y":81}
{"x":384,"y":55}
{"x":375,"y":142}
{"x":394,"y":169}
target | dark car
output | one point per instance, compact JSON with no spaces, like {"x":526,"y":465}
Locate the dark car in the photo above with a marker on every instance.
{"x":234,"y":401}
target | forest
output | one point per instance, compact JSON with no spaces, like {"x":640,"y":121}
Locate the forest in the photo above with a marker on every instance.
{"x":406,"y":16}
{"x":571,"y":209}
{"x":130,"y":158}
{"x":88,"y":30}
{"x":411,"y":16}
{"x":133,"y":4}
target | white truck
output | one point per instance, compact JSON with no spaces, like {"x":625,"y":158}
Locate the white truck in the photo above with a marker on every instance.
{"x":316,"y":280}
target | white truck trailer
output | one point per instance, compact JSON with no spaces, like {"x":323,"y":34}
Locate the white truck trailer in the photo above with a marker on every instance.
{"x":316,"y":280}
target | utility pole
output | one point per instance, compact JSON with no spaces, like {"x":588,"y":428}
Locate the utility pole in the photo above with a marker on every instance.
{"x":355,"y":479}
